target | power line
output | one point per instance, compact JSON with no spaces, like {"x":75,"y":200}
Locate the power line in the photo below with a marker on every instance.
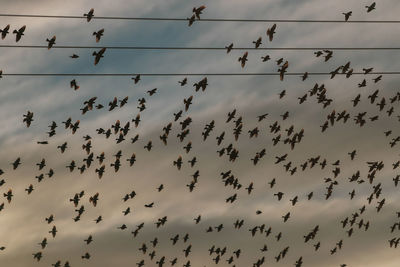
{"x":203,"y":19}
{"x":195,"y":74}
{"x":200,"y":48}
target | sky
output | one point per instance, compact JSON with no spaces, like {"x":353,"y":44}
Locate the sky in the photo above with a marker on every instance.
{"x":23,"y":224}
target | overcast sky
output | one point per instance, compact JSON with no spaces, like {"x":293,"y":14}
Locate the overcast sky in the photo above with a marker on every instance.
{"x":22,"y":221}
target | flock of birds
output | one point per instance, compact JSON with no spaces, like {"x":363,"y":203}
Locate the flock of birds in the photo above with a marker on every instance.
{"x":289,"y":136}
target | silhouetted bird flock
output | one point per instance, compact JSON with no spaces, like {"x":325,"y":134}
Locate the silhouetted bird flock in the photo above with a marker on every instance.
{"x":290,"y":136}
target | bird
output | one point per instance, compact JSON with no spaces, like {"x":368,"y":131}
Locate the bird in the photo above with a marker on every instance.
{"x":28,"y":118}
{"x":136,"y":79}
{"x":37,"y":255}
{"x":370,"y":7}
{"x":8,"y":195}
{"x":89,"y":239}
{"x":5,"y":31}
{"x":243,"y":59}
{"x":89,"y":15}
{"x":51,"y":42}
{"x":271,"y":32}
{"x":347,"y":15}
{"x":229,"y":48}
{"x":152,"y":91}
{"x":98,"y":55}
{"x":191,"y":20}
{"x":265,"y":58}
{"x":188,"y":102}
{"x":16,"y":163}
{"x":257,"y":43}
{"x":98,"y":34}
{"x":53,"y":231}
{"x":198,"y":11}
{"x":282,"y":70}
{"x":18,"y":33}
{"x":74,"y":84}
{"x":183,"y":82}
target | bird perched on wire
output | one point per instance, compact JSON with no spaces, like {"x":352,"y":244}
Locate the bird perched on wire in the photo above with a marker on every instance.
{"x":51,"y":42}
{"x":89,"y":15}
{"x":98,"y":55}
{"x":19,"y":33}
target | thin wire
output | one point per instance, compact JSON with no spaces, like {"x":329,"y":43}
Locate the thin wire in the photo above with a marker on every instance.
{"x":195,"y":74}
{"x":203,"y":19}
{"x":199,"y":48}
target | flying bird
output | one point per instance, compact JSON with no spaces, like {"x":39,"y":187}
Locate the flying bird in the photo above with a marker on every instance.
{"x":370,"y":7}
{"x":98,"y":55}
{"x":243,"y":59}
{"x":229,"y":48}
{"x":347,"y":15}
{"x":271,"y":32}
{"x":98,"y":34}
{"x":51,"y":42}
{"x":74,"y":84}
{"x":19,"y":33}
{"x":198,"y":11}
{"x":5,"y":31}
{"x":89,"y":15}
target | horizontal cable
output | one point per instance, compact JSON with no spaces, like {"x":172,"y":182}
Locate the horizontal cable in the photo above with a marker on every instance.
{"x":195,"y":74}
{"x":199,"y":48}
{"x":203,"y":19}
